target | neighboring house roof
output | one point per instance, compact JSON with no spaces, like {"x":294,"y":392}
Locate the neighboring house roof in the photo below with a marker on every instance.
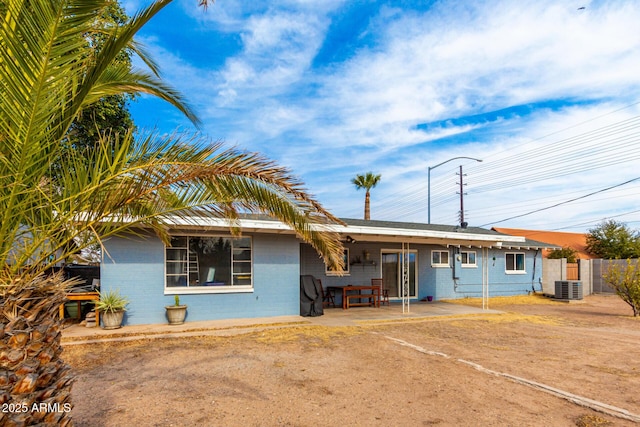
{"x":575,"y":241}
{"x":376,"y":231}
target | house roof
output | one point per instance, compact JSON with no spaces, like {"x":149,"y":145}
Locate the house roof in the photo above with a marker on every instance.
{"x":375,"y":231}
{"x":575,"y":241}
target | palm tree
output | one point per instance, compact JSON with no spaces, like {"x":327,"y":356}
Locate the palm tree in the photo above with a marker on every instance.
{"x":47,"y":77}
{"x":366,"y":181}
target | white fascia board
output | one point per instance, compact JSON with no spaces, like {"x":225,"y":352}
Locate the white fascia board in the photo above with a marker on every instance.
{"x":279,"y":227}
{"x":245,"y":224}
{"x":425,"y":234}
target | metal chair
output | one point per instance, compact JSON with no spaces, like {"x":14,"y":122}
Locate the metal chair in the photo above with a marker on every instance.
{"x":384,"y":293}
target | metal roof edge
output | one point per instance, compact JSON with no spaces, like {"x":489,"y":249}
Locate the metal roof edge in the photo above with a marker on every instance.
{"x":379,"y":228}
{"x":445,"y":235}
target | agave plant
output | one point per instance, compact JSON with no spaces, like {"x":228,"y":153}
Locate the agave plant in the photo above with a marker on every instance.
{"x":111,"y":301}
{"x":47,"y":77}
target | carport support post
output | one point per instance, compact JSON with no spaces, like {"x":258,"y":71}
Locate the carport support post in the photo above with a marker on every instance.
{"x":485,"y":278}
{"x":405,"y":277}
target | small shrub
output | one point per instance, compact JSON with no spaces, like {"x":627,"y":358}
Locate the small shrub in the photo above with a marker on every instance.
{"x":566,"y":252}
{"x":625,"y":280}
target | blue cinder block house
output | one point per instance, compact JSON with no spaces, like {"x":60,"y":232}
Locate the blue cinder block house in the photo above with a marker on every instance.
{"x":258,"y":273}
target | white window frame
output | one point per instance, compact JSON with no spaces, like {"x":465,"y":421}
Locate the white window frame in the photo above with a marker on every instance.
{"x":468,"y":264}
{"x":347,"y":267}
{"x":515,"y":269}
{"x":183,"y":290}
{"x":439,"y":263}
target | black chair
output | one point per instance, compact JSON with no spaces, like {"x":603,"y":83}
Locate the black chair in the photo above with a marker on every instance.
{"x":328,"y":297}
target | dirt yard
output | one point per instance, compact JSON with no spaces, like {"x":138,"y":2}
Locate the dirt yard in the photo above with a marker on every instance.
{"x":392,"y":374}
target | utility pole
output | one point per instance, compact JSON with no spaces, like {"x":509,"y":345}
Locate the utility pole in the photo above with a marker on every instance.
{"x":462,"y":223}
{"x":429,"y":181}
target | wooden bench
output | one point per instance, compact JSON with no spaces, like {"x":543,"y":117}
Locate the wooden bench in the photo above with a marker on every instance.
{"x":371,"y":300}
{"x":348,"y":294}
{"x":79,"y":297}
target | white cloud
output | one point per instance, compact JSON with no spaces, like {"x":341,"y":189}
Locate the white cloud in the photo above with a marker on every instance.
{"x":458,"y":59}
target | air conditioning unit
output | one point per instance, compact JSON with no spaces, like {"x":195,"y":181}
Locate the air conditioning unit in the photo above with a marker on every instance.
{"x":568,"y":290}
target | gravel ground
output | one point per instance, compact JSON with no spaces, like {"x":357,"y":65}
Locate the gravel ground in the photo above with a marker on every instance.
{"x":436,"y":371}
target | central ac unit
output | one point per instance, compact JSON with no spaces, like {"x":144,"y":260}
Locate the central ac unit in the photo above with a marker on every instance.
{"x":568,"y":290}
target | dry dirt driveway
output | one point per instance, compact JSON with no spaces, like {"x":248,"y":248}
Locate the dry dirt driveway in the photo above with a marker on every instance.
{"x":393,"y":374}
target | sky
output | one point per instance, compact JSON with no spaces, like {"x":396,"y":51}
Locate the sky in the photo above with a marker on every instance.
{"x":537,"y":103}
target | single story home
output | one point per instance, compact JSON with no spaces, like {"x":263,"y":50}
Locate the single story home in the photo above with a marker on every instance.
{"x":258,"y":273}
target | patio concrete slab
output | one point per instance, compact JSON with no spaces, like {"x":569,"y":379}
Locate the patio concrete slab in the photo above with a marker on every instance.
{"x":334,"y":317}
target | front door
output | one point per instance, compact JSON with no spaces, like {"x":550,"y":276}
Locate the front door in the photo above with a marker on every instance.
{"x":392,"y":273}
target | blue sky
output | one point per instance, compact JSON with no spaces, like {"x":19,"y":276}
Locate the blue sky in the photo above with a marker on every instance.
{"x":545,"y":93}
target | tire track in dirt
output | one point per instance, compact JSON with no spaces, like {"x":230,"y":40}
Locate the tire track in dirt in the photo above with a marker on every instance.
{"x":579,"y":400}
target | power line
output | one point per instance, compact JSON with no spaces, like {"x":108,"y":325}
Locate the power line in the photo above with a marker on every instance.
{"x":596,"y":220}
{"x":614,"y":144}
{"x":560,"y":159}
{"x":593,"y":119}
{"x":532,"y":203}
{"x":563,"y":203}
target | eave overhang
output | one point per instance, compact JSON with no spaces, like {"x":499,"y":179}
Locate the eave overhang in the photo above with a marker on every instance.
{"x":459,"y":237}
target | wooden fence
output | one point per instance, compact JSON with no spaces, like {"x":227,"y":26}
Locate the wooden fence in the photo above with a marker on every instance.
{"x":573,"y":272}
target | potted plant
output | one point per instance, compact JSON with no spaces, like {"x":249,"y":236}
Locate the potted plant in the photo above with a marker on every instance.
{"x":112,"y":305}
{"x":176,"y":312}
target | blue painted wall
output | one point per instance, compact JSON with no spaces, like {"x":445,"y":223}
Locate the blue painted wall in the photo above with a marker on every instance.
{"x":135,"y":266}
{"x":442,"y":285}
{"x":438,"y":282}
{"x":361,"y":274}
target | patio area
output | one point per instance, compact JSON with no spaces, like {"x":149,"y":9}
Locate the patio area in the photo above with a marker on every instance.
{"x":334,"y":317}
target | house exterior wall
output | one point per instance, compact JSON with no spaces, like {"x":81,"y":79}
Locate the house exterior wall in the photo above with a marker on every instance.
{"x":438,"y":282}
{"x":360,"y":273}
{"x":468,"y":281}
{"x":135,"y":266}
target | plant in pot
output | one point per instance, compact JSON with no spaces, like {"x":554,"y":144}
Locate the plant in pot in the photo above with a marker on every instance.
{"x":176,"y":312}
{"x":112,"y":305}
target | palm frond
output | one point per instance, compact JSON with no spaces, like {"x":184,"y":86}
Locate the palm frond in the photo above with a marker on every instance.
{"x":48,"y":74}
{"x":144,"y":181}
{"x":120,"y":79}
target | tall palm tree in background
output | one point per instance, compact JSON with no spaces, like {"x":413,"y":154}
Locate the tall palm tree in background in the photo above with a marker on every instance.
{"x":366,"y":181}
{"x":48,"y":75}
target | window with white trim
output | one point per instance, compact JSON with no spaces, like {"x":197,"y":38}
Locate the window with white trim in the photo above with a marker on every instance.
{"x":439,"y":258}
{"x":468,"y":258}
{"x":514,"y":263}
{"x":208,"y":262}
{"x":345,"y":258}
